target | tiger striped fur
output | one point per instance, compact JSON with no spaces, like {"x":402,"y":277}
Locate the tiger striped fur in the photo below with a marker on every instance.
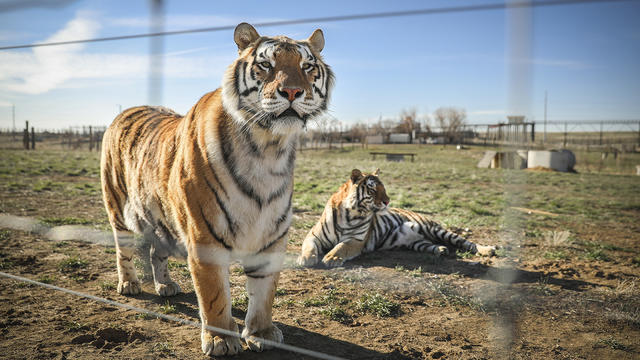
{"x":217,"y":183}
{"x":357,"y":219}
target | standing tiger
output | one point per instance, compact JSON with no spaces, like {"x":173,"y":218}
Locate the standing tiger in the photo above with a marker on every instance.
{"x":218,"y":181}
{"x":357,"y":219}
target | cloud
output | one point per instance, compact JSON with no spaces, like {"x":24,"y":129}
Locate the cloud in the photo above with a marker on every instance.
{"x":48,"y":68}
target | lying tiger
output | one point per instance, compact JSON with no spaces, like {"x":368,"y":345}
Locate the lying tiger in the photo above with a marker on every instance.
{"x":357,"y":219}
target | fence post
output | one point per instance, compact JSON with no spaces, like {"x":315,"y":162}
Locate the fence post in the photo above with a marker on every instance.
{"x":25,"y":137}
{"x":90,"y":138}
{"x":601,"y":133}
{"x":33,"y":139}
{"x":564,"y":143}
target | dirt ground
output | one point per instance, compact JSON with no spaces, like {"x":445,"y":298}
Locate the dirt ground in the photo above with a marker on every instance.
{"x":520,"y":306}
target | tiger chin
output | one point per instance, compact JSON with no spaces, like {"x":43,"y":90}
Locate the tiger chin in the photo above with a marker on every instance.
{"x":216,"y":184}
{"x":357,"y":219}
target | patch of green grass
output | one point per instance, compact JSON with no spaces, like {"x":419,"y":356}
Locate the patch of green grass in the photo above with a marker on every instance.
{"x":331,"y":297}
{"x":110,"y":250}
{"x":59,"y":244}
{"x":596,"y":254}
{"x":5,"y":235}
{"x":241,"y":302}
{"x":500,"y":252}
{"x":556,"y":255}
{"x":378,"y":305}
{"x":281,"y":292}
{"x":613,"y":343}
{"x":72,"y":263}
{"x":144,"y":316}
{"x":6,"y":264}
{"x":338,"y":314}
{"x":47,"y":279}
{"x":284,"y":302}
{"x":163,"y":349}
{"x":167,"y":308}
{"x":179,"y":266}
{"x":57,"y":221}
{"x":107,"y":286}
{"x":74,"y":326}
{"x":464,"y":254}
{"x":636,"y":260}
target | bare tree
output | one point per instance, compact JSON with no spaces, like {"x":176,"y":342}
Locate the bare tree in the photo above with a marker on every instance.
{"x":408,"y":122}
{"x":451,"y":122}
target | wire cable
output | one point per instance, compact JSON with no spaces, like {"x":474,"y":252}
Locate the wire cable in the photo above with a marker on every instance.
{"x":378,"y":15}
{"x":195,"y":324}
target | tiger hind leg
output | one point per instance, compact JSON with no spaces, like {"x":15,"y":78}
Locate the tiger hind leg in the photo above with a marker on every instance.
{"x":159,"y":265}
{"x":128,"y":283}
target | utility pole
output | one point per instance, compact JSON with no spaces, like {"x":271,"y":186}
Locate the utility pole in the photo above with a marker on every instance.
{"x":544,"y":137}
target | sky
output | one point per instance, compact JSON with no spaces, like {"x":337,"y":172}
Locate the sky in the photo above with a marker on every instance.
{"x":586,"y":57}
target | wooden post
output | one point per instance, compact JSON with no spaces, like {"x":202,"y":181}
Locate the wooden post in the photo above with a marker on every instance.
{"x":533,"y":132}
{"x":25,"y":137}
{"x":33,"y":139}
{"x":90,"y":138}
{"x":564,"y":143}
{"x":600,"y":133}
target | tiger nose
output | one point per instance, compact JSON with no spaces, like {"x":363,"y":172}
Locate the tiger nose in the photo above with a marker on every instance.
{"x":291,"y":93}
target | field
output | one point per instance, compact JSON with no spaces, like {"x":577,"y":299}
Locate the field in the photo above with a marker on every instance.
{"x":564,"y":284}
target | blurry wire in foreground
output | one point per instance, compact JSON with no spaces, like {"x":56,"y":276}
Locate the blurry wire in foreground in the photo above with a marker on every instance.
{"x":195,"y":324}
{"x":415,"y":12}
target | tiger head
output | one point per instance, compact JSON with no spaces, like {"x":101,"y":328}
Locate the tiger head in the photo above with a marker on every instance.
{"x":276,"y":83}
{"x":365,"y":192}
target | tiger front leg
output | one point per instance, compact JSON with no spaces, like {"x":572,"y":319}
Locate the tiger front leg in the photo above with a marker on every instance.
{"x":211,"y":284}
{"x":342,"y":252}
{"x":310,"y":254}
{"x":258,"y":325}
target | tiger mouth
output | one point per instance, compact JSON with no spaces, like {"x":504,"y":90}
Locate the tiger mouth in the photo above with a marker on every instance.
{"x":289,"y":113}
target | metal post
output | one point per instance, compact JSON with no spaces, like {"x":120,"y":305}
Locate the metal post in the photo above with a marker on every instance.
{"x":533,"y":132}
{"x":564,"y":143}
{"x":90,"y":138}
{"x":33,"y":139}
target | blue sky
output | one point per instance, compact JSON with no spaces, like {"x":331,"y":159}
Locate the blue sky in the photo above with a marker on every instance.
{"x":587,"y":57}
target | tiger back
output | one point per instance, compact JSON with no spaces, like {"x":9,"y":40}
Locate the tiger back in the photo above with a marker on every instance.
{"x":217,"y":182}
{"x":357,"y":219}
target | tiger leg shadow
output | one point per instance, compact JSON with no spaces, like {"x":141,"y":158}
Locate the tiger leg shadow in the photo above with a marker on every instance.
{"x":211,"y":284}
{"x":342,"y":252}
{"x":128,"y":283}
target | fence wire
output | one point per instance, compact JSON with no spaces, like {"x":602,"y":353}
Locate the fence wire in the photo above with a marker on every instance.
{"x":190,"y":323}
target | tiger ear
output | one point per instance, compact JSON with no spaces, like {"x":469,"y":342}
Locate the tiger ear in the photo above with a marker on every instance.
{"x":316,"y":40}
{"x":375,"y":173}
{"x":244,"y":35}
{"x":356,"y":175}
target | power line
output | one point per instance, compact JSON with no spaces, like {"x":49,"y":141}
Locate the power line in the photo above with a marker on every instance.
{"x":388,"y":14}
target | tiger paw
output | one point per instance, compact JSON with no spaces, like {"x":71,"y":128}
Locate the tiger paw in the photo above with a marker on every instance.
{"x":332,"y":260}
{"x":255,"y":339}
{"x":168,"y":289}
{"x":486,"y":250}
{"x":129,"y":287}
{"x":441,"y":251}
{"x":307,"y":260}
{"x":219,"y":345}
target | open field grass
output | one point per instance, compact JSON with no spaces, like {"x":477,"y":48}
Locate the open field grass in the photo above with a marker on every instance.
{"x":565,"y":285}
